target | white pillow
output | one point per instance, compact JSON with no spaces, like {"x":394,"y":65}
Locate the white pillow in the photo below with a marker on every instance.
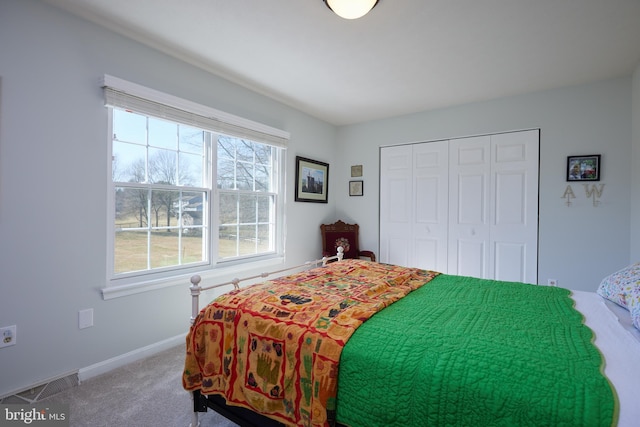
{"x":623,"y":288}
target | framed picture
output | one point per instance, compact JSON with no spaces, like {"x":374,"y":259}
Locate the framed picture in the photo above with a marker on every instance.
{"x":356,"y":188}
{"x":312,"y":180}
{"x":356,"y":170}
{"x":583,"y":168}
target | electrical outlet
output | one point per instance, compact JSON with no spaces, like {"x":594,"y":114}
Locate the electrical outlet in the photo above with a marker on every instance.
{"x":8,"y":336}
{"x":552,"y":282}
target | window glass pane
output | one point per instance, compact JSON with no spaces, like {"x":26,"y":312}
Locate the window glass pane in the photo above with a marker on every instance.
{"x":263,"y":154}
{"x":143,"y":249}
{"x":248,"y":240}
{"x":226,"y":174}
{"x":128,"y":163}
{"x":130,"y":251}
{"x":265,"y":204}
{"x":227,"y":242}
{"x":191,"y":140}
{"x":264,"y":168}
{"x":248,"y":209}
{"x":245,"y":150}
{"x":191,"y":170}
{"x":244,"y":176}
{"x":263,"y":178}
{"x":226,"y":147}
{"x":163,"y":134}
{"x":163,"y":166}
{"x":129,"y":127}
{"x":192,"y":246}
{"x":228,"y":209}
{"x":131,"y":207}
{"x":164,"y":248}
{"x":192,"y":211}
{"x":163,"y":208}
{"x":265,"y":241}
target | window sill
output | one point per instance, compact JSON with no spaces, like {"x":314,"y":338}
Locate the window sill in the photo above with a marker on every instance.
{"x":210,"y":277}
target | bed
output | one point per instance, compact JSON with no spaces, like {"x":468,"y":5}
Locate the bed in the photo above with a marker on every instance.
{"x":359,"y":343}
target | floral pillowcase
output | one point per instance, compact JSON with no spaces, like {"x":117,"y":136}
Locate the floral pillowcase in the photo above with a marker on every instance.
{"x":623,"y":288}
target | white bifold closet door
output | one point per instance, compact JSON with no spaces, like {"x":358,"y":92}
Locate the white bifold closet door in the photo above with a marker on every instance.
{"x":466,"y":206}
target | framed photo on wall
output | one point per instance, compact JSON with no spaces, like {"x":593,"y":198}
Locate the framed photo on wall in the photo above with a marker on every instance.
{"x":356,"y":188}
{"x":312,"y":180}
{"x":583,"y":168}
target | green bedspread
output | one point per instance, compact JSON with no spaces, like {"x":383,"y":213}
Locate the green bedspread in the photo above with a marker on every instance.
{"x":472,"y":352}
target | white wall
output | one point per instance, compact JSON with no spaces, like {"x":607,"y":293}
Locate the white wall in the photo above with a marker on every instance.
{"x":53,"y":182}
{"x":580,"y":244}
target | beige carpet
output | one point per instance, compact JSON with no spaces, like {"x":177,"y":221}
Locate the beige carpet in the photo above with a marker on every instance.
{"x":147,"y":393}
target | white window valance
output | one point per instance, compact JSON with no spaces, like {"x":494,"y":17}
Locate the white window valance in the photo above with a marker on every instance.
{"x":120,"y":93}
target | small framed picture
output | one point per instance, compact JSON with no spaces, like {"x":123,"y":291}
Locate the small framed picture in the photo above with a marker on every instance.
{"x":356,"y":170}
{"x":312,"y":180}
{"x":583,"y":168}
{"x":356,"y":188}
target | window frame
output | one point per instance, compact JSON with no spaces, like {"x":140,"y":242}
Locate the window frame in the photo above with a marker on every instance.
{"x":218,"y":123}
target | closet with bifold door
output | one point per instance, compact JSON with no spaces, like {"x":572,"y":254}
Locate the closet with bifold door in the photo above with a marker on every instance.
{"x":464,"y":206}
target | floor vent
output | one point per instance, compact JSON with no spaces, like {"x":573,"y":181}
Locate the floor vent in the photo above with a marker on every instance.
{"x":40,"y":392}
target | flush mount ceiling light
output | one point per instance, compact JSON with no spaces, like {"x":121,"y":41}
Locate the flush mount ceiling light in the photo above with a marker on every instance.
{"x":351,"y":9}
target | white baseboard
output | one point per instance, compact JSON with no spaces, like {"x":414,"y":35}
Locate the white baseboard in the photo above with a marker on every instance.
{"x":124,"y":359}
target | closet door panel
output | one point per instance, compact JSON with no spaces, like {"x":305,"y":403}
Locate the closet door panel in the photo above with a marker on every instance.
{"x":510,"y":198}
{"x":399,"y":196}
{"x":510,"y":261}
{"x":397,"y":251}
{"x":396,"y":201}
{"x":427,"y":204}
{"x":514,"y":208}
{"x":428,"y":256}
{"x":431,"y":199}
{"x":471,"y":197}
{"x":471,"y":257}
{"x":469,"y":175}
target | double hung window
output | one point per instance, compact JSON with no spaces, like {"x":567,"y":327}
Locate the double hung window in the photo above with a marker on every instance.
{"x":192,"y":188}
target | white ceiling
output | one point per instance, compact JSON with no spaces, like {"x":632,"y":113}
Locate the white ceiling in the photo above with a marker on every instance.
{"x":405,"y":56}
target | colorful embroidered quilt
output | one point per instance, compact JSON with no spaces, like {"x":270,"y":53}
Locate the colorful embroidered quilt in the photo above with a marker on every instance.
{"x":275,"y":347}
